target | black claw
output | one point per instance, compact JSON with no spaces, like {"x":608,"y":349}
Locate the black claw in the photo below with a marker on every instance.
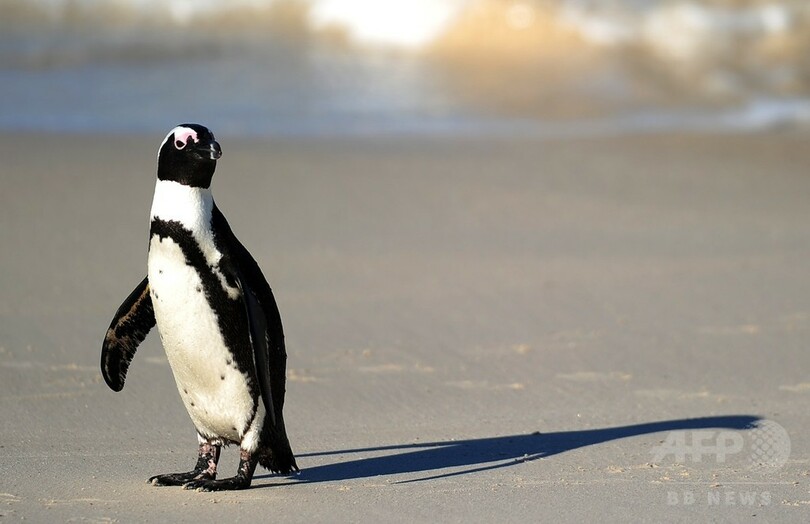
{"x":174,"y":479}
{"x":232,"y":483}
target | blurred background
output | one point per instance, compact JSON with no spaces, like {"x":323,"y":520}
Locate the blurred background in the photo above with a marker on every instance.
{"x":616,"y":246}
{"x":454,"y":67}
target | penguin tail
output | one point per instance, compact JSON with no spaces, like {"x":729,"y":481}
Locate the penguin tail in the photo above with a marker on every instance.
{"x":276,"y":454}
{"x":278,"y":457}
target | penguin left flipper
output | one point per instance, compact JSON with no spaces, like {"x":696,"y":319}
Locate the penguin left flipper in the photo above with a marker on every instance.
{"x":129,"y":327}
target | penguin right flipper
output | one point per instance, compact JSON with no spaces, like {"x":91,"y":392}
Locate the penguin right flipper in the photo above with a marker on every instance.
{"x":128,"y":329}
{"x":267,"y":338}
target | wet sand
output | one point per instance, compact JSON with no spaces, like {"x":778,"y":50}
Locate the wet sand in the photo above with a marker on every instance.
{"x":478,"y":330}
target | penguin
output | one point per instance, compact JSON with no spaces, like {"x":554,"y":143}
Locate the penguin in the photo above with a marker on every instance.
{"x":217,"y":318}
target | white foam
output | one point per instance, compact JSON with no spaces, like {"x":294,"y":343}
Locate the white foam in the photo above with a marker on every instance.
{"x":407,"y":23}
{"x":411,"y":23}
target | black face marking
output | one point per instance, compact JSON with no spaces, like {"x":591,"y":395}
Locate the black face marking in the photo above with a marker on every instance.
{"x":231,"y":316}
{"x":222,"y":377}
{"x":189,"y":159}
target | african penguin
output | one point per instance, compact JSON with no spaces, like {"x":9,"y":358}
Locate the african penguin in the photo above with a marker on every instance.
{"x":217,"y":318}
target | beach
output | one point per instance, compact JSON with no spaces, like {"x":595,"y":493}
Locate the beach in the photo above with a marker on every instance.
{"x":479,"y":329}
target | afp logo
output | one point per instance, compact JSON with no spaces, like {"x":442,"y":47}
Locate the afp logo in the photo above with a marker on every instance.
{"x":765,"y":443}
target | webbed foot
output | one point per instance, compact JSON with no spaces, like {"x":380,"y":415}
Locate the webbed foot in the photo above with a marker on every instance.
{"x":232,"y":483}
{"x":244,"y":475}
{"x":178,"y":479}
{"x":205,"y":470}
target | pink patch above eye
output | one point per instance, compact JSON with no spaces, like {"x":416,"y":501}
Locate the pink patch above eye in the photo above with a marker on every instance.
{"x":182,"y":135}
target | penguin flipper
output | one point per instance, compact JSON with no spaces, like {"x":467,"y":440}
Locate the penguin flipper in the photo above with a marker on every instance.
{"x":129,"y":327}
{"x":270,"y":357}
{"x":267,"y":339}
{"x":258,"y":338}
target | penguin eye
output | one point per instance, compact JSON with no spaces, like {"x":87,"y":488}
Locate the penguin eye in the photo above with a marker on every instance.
{"x":179,"y":144}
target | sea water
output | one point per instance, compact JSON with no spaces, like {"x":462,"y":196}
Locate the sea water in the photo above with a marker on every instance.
{"x":423,"y":67}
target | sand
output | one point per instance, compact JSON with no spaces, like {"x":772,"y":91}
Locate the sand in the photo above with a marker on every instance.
{"x":478,"y":330}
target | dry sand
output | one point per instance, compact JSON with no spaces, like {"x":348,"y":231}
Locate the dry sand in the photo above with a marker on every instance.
{"x":479,"y":331}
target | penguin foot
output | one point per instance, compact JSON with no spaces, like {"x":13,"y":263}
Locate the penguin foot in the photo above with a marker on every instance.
{"x":244,"y":475}
{"x":179,"y":479}
{"x":205,"y":470}
{"x":233,"y":483}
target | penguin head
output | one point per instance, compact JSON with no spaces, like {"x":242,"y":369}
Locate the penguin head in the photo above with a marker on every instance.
{"x":188,"y":155}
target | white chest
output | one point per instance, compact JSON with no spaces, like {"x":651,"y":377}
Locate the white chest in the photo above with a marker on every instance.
{"x":215,"y":393}
{"x":186,"y":321}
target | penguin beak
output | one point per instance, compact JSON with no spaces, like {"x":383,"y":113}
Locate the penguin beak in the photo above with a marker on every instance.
{"x":209,"y":150}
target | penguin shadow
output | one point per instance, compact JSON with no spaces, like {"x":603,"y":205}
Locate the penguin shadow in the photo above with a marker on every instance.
{"x":431,"y":458}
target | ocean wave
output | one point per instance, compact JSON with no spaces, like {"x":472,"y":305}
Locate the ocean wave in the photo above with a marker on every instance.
{"x":449,"y":63}
{"x":581,"y":58}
